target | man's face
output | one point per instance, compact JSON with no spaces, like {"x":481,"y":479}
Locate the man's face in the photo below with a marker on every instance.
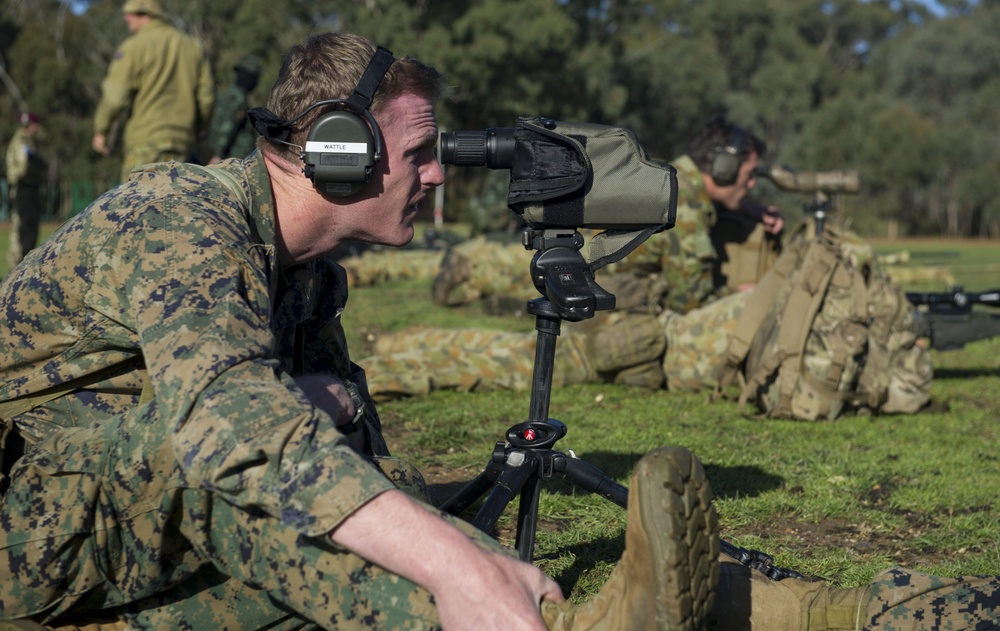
{"x":732,"y":196}
{"x":408,"y":170}
{"x":134,"y":21}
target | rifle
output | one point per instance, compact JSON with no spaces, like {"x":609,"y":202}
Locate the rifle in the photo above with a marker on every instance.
{"x":947,"y":318}
{"x":823,"y":183}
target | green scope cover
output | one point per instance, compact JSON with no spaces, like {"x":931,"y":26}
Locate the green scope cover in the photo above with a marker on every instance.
{"x":585,"y":175}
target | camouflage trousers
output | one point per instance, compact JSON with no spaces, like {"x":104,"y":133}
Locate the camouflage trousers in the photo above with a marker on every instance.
{"x":479,"y":268}
{"x":373,"y":267}
{"x":681,"y":352}
{"x":471,"y":270}
{"x":100,"y":522}
{"x":905,"y":600}
{"x":896,"y":599}
{"x":25,"y":217}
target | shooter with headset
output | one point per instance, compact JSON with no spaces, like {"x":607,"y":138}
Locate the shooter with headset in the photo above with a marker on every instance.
{"x":187,"y":442}
{"x":680,"y":269}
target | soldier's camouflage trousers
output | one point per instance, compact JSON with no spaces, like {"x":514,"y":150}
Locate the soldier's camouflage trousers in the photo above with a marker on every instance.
{"x":682,"y":352}
{"x":896,"y":600}
{"x":479,"y":268}
{"x":100,"y":519}
{"x":373,"y":267}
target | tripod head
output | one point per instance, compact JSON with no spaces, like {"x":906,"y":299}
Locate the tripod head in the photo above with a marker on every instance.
{"x":560,"y":274}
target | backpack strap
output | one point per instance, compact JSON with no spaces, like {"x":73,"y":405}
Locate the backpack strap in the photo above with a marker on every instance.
{"x":804,"y":301}
{"x":755,"y":310}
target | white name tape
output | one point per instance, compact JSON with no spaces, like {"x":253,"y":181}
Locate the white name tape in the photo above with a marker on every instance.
{"x":336,"y":147}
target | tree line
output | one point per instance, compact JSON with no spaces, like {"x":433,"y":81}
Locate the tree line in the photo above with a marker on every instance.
{"x":902,"y":94}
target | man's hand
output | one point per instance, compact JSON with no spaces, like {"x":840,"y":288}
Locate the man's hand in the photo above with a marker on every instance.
{"x":331,"y":396}
{"x":473,"y":588}
{"x":773,"y":222}
{"x":100,"y":144}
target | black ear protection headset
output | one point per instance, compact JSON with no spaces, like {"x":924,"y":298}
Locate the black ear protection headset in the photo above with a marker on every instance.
{"x":726,"y":160}
{"x":344,"y":143}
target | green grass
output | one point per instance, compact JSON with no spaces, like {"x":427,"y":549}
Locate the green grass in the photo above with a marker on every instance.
{"x":840,"y":500}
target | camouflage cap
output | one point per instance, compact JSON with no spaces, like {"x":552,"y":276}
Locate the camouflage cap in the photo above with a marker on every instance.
{"x":250,"y":64}
{"x":144,"y":7}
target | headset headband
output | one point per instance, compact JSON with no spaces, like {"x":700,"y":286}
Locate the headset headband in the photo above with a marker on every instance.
{"x":275,"y":128}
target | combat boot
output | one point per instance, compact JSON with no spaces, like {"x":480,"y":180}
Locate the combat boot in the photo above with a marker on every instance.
{"x":665,"y":578}
{"x":747,"y":599}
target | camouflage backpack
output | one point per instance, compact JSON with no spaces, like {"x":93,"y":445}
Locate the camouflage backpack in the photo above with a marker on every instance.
{"x":825,"y":333}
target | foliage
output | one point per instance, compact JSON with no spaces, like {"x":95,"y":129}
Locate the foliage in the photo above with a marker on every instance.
{"x":884,"y":86}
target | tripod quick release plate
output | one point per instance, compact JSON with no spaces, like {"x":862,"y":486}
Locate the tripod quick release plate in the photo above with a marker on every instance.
{"x":535,"y":434}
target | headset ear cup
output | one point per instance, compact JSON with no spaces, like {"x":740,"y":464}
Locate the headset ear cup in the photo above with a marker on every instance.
{"x":725,"y":167}
{"x":727,"y":160}
{"x":340,"y":153}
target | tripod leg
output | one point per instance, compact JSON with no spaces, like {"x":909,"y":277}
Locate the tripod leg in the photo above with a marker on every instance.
{"x":527,"y":518}
{"x":469,"y":493}
{"x":590,"y":478}
{"x":512,"y":479}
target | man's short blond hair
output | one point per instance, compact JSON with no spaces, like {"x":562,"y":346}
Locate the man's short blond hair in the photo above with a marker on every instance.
{"x":329,"y":66}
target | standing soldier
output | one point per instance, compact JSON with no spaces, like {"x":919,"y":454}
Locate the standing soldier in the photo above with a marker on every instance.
{"x":231,"y":135}
{"x":26,"y":174}
{"x":162,"y":74}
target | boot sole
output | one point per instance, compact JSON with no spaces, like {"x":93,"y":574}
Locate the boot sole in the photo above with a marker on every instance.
{"x":675,"y":503}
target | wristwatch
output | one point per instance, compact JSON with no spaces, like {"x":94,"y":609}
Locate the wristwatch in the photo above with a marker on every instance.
{"x":358,"y":421}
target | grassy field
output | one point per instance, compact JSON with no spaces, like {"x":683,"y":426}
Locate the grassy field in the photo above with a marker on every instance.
{"x":841,"y":500}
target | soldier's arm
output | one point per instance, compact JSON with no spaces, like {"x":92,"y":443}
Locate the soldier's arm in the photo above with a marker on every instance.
{"x":116,"y":89}
{"x":473,"y":588}
{"x":205,"y":97}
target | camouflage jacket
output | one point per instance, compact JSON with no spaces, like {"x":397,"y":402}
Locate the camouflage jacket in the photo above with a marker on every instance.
{"x":172,"y":278}
{"x":678,"y":263}
{"x":163,"y":75}
{"x":25,"y":166}
{"x":231,"y":134}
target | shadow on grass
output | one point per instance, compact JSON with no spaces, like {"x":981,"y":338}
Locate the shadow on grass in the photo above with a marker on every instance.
{"x":734,"y":481}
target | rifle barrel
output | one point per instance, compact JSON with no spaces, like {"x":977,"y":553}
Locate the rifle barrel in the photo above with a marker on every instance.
{"x":955,"y":300}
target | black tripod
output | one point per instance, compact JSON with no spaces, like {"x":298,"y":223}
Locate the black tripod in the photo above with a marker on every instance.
{"x":526,"y":458}
{"x":519,"y":465}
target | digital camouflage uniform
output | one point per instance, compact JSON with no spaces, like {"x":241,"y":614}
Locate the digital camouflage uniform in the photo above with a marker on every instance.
{"x":168,"y":282}
{"x":896,"y":599}
{"x":163,"y":75}
{"x":670,"y":274}
{"x":26,"y":175}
